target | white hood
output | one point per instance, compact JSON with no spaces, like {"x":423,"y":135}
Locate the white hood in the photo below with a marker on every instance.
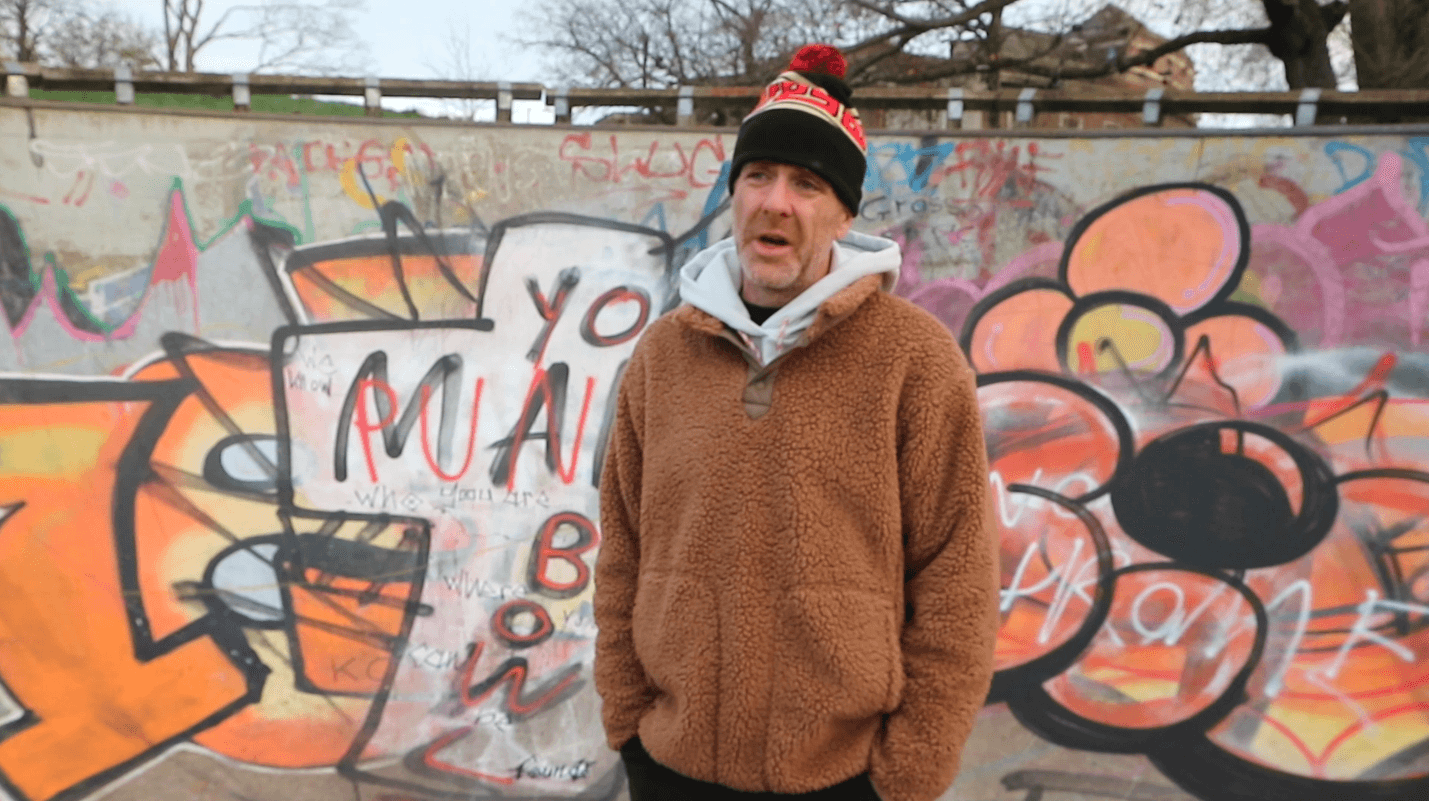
{"x":711,"y":281}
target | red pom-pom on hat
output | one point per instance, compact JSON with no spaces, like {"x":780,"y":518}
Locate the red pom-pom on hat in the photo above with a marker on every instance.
{"x":819,"y":58}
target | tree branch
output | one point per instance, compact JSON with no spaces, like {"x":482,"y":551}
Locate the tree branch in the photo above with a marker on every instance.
{"x":886,"y":12}
{"x":1334,"y":13}
{"x":1121,"y":64}
{"x":1231,"y":37}
{"x":910,"y":28}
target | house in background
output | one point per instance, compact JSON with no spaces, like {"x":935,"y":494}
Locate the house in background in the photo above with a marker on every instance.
{"x":1089,"y":44}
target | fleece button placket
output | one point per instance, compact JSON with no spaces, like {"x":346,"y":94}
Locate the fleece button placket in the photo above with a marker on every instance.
{"x":759,"y":391}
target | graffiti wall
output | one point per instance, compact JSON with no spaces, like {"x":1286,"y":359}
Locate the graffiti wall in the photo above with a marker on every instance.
{"x":301,"y":425}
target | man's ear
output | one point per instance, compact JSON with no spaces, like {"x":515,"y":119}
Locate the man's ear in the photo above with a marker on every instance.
{"x":846,"y":225}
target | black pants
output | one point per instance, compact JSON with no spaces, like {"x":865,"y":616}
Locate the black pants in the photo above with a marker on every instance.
{"x":651,"y":781}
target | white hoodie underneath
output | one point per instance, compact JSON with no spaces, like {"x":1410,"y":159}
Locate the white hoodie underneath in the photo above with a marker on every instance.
{"x":711,"y":282}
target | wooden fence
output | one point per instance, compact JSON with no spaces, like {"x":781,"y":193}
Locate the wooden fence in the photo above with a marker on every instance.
{"x":959,"y":107}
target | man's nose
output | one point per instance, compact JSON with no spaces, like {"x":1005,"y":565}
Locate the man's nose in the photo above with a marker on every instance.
{"x":779,"y":198}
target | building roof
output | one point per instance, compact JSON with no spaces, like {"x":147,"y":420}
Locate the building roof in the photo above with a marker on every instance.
{"x":1103,"y":36}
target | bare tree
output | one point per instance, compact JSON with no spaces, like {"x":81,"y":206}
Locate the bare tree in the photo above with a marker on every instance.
{"x":458,"y":62}
{"x":1230,"y":66}
{"x":290,"y":35}
{"x":103,"y":39}
{"x":663,"y":43}
{"x":1391,"y":43}
{"x":25,"y":25}
{"x":668,"y":42}
{"x":1294,"y":31}
{"x":1299,"y":35}
{"x":73,"y":33}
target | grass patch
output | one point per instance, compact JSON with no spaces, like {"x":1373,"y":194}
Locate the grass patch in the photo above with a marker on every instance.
{"x":265,"y":104}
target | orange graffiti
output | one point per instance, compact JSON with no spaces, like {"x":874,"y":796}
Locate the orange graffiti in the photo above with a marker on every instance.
{"x":354,"y":286}
{"x":119,"y":639}
{"x":93,"y":700}
{"x":1180,"y":245}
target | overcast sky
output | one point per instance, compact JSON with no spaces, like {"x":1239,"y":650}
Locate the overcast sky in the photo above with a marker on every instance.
{"x":404,"y":38}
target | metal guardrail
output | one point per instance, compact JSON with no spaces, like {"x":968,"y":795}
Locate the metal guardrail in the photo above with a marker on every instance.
{"x":1308,"y":106}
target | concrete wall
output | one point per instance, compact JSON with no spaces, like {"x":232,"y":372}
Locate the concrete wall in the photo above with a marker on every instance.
{"x":301,"y":420}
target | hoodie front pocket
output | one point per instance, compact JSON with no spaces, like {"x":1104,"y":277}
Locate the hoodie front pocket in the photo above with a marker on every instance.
{"x":673,"y":632}
{"x":838,"y":655}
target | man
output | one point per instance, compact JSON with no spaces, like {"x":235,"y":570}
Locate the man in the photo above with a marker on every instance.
{"x":796,"y":591}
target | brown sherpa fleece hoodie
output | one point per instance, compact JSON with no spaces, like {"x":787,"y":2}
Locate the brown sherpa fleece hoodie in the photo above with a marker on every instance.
{"x":796,"y":582}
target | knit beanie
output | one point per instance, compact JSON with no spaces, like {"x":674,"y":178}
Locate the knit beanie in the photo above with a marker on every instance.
{"x":804,"y":118}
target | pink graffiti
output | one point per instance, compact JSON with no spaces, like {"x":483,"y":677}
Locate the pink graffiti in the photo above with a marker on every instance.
{"x":1356,"y":246}
{"x":176,"y":263}
{"x":950,"y":299}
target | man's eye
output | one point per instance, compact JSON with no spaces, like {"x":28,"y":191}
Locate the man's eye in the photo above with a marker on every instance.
{"x":810,"y":186}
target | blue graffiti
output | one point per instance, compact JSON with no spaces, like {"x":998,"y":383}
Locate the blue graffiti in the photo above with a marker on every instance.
{"x":1334,"y":151}
{"x":1418,"y":152}
{"x":917,"y":165}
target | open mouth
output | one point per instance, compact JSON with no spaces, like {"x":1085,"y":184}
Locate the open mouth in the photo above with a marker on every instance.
{"x":773,"y":239}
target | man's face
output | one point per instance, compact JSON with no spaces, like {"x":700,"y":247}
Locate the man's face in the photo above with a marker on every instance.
{"x":786,"y":219}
